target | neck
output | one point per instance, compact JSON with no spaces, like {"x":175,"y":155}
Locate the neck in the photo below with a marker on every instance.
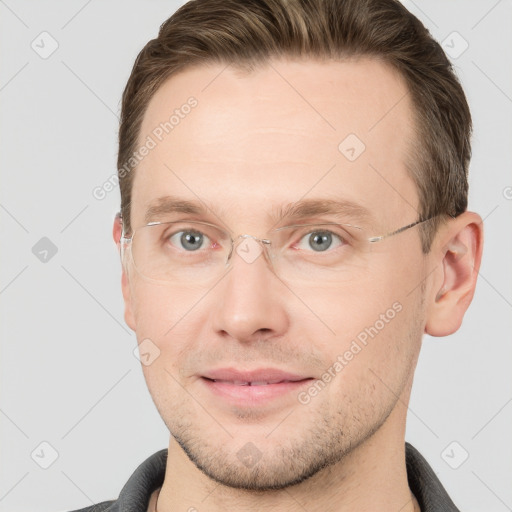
{"x":371,"y":477}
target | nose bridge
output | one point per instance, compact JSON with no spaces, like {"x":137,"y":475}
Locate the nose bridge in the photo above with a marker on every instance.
{"x":249,"y":248}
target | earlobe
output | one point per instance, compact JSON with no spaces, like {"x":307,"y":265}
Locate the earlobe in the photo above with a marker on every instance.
{"x":129,"y":318}
{"x":458,"y":258}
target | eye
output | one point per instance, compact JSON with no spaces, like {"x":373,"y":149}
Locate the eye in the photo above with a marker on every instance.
{"x":190,"y":240}
{"x":320,"y":240}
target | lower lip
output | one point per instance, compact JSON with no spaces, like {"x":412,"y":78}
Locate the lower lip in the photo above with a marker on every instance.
{"x":254,"y":395}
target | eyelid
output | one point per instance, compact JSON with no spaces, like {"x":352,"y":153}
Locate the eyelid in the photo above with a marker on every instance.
{"x":195,"y":224}
{"x":324,"y":226}
{"x":321,"y":224}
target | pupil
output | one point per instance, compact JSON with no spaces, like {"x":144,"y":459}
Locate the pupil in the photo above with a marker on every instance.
{"x":320,"y":241}
{"x":192,"y":240}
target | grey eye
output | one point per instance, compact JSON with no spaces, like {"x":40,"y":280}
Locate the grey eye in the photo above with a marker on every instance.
{"x":320,"y":241}
{"x":188,"y":240}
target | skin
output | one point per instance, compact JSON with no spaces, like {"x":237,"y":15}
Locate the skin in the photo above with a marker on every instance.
{"x":254,"y":142}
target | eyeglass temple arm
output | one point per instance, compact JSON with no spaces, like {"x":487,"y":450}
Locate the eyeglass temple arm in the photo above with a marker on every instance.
{"x":399,"y":230}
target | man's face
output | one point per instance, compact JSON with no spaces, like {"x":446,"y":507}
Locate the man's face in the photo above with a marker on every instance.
{"x":253,"y":144}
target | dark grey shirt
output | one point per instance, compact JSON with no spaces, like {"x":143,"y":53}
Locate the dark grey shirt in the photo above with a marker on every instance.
{"x":134,"y":496}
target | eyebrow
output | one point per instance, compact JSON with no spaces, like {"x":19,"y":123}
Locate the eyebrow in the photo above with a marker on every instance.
{"x":341,"y":208}
{"x":302,"y":209}
{"x":171,"y":204}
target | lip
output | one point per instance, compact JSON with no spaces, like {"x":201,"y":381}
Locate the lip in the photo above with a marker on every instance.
{"x":255,"y":387}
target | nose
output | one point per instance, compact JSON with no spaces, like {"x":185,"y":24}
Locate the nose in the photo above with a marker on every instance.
{"x":250,"y":303}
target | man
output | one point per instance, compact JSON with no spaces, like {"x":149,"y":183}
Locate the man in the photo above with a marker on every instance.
{"x":293,"y":219}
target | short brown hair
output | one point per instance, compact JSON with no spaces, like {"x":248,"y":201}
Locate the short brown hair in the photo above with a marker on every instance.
{"x":245,"y":33}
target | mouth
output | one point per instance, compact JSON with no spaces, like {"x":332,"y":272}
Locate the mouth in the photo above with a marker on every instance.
{"x":252,"y":383}
{"x":253,"y":388}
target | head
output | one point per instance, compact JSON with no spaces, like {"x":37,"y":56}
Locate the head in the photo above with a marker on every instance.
{"x":246,"y":111}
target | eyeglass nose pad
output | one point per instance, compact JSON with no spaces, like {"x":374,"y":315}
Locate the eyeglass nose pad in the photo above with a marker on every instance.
{"x":249,"y":248}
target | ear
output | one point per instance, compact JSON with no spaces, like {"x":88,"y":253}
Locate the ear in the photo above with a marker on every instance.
{"x":457,"y":252}
{"x":129,"y":317}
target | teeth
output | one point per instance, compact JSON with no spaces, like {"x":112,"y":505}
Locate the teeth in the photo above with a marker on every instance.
{"x":246,"y":383}
{"x":235,"y":382}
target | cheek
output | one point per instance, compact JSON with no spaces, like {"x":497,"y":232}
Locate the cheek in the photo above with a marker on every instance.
{"x":168,"y":325}
{"x":339,"y":314}
{"x":169,"y":322}
{"x":374,"y":323}
{"x":373,"y":366}
{"x":159,"y":309}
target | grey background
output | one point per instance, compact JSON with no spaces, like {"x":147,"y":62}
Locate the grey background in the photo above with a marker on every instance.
{"x":68,"y":374}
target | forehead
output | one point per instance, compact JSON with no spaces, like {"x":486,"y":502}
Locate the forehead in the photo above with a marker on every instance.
{"x":247,"y":142}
